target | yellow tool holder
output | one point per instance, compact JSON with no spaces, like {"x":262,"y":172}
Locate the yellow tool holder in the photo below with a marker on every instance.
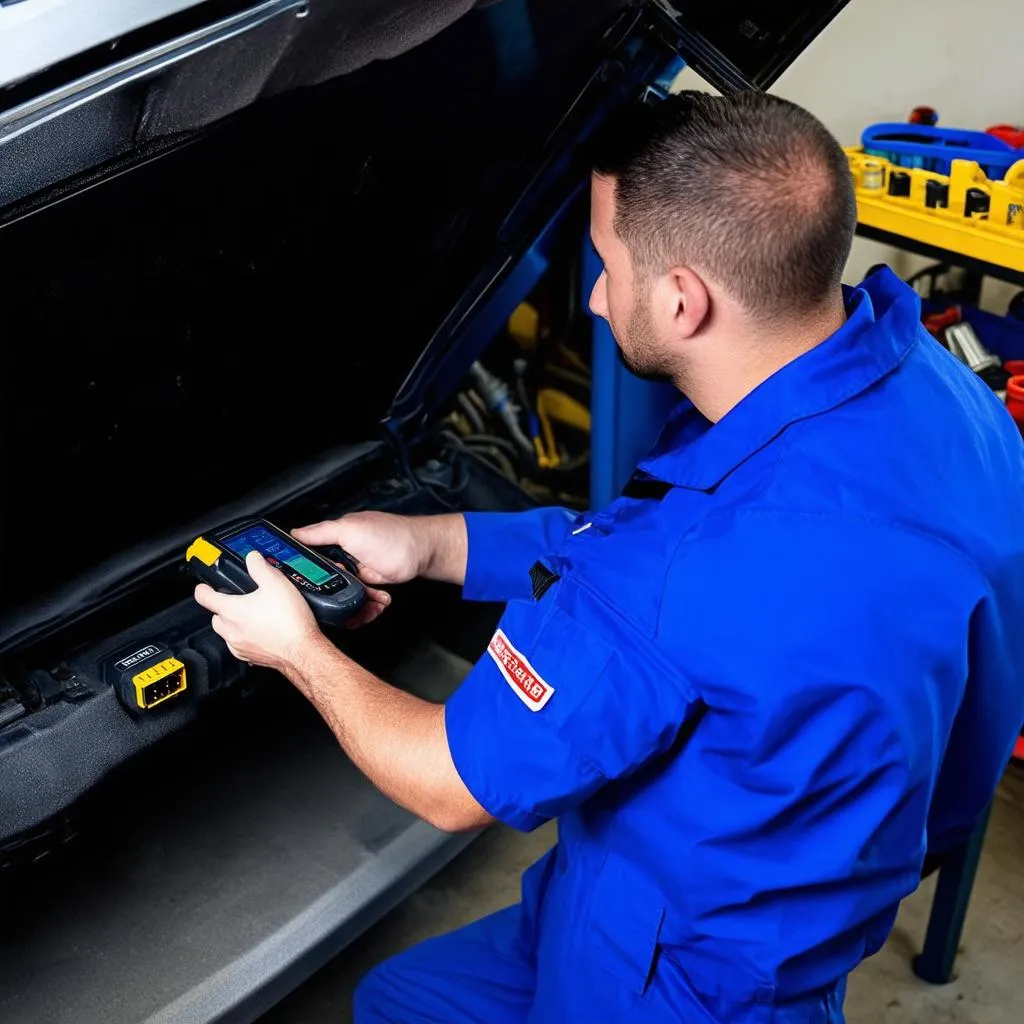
{"x":995,"y":236}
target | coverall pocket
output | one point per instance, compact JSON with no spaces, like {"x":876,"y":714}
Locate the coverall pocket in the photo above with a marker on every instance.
{"x":724,"y":991}
{"x":625,"y":921}
{"x":567,"y":656}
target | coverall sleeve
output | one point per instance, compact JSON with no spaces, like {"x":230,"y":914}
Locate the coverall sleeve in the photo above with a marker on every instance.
{"x":503,"y":546}
{"x":568,"y":696}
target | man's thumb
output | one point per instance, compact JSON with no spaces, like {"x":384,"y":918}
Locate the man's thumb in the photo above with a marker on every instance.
{"x":257,"y":567}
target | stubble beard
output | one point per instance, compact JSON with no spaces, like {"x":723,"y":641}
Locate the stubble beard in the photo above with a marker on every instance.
{"x":639,"y":351}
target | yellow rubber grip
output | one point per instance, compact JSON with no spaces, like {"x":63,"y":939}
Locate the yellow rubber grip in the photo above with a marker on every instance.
{"x":202,"y":549}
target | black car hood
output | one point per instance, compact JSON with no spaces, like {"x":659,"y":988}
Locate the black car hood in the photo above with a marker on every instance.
{"x":430,"y":122}
{"x":239,"y":260}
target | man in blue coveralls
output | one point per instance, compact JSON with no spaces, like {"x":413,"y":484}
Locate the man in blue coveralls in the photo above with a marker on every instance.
{"x":758,"y":687}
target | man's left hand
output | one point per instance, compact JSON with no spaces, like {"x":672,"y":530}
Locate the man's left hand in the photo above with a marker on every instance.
{"x":268,"y":627}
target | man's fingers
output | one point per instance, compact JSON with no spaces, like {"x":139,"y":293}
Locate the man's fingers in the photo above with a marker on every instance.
{"x":364,"y":616}
{"x":377,"y":601}
{"x":368,"y":575}
{"x":328,"y":534}
{"x":212,"y":600}
{"x":317,"y":533}
{"x":360,"y":618}
{"x":217,"y":625}
{"x":374,"y":611}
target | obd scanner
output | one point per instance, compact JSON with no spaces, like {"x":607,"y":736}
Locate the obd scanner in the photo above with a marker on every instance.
{"x":218,"y":558}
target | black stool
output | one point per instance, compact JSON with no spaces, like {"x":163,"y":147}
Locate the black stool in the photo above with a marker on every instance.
{"x":957,"y":869}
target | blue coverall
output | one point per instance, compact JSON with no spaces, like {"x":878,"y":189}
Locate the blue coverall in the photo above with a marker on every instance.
{"x":753,"y":698}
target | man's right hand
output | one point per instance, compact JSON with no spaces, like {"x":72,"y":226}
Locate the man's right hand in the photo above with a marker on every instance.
{"x":394,"y":549}
{"x":386,"y":547}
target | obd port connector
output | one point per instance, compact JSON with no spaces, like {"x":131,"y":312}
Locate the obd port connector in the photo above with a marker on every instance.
{"x":146,"y":677}
{"x":159,"y":683}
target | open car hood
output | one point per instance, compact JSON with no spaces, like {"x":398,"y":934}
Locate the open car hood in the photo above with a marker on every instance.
{"x":234,"y":239}
{"x":482,"y":95}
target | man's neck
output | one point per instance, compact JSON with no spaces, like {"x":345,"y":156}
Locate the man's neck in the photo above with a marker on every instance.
{"x":719,"y":376}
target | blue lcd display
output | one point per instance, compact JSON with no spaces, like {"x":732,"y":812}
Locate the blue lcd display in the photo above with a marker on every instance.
{"x":273,"y":548}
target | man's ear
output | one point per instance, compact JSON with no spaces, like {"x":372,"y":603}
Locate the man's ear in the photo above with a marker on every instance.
{"x":684,"y":302}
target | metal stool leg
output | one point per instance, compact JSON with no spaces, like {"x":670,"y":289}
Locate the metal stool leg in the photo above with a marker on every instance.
{"x":949,"y":908}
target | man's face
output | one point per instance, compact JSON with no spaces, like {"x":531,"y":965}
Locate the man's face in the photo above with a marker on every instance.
{"x":619,"y":296}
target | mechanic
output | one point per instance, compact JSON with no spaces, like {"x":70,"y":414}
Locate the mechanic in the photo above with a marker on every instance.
{"x":757,"y":688}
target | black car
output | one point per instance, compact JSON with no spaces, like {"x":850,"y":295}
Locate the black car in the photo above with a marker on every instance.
{"x":254,"y":256}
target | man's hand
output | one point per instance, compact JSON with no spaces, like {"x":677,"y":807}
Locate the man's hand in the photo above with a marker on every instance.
{"x":271,"y":626}
{"x":394,"y":549}
{"x":386,"y":547}
{"x":397,"y":739}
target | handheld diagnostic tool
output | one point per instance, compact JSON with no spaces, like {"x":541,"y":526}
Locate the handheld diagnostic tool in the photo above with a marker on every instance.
{"x":218,"y":558}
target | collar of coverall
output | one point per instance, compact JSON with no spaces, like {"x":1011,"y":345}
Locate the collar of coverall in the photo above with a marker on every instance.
{"x":882,"y":326}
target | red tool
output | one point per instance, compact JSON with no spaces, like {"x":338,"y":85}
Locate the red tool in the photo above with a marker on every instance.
{"x":1015,"y":400}
{"x":1012,"y":135}
{"x":936,"y":323}
{"x":924,"y":115}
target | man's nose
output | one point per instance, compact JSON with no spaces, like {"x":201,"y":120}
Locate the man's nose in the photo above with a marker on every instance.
{"x":599,"y":296}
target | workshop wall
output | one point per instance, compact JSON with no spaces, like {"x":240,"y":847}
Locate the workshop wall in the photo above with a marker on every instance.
{"x":879,"y":59}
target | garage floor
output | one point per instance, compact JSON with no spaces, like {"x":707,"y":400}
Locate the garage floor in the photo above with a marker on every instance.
{"x":991,"y":965}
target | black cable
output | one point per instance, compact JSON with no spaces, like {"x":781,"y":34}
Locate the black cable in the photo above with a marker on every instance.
{"x":418,"y":484}
{"x":471,"y":412}
{"x":481,"y":456}
{"x":492,"y":440}
{"x":524,"y":398}
{"x":498,"y":460}
{"x":478,"y":450}
{"x":520,"y":367}
{"x":453,"y":440}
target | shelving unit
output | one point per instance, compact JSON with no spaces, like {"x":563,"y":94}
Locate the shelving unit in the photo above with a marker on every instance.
{"x":941,"y":254}
{"x":963,"y":218}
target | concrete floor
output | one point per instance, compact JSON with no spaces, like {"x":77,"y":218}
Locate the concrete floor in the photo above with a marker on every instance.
{"x":989,"y":988}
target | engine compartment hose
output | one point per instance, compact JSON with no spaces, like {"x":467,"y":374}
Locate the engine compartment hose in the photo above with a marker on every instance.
{"x":497,"y":398}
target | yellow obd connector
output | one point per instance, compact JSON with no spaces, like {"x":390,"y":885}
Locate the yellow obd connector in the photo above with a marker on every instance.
{"x":159,"y":683}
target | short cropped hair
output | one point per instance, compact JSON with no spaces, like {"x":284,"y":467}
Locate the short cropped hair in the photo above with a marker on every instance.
{"x":749,"y":188}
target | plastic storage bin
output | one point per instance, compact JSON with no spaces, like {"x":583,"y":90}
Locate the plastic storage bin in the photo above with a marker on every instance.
{"x":934,"y":149}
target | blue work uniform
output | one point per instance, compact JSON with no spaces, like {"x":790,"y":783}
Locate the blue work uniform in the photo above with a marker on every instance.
{"x":754,"y":691}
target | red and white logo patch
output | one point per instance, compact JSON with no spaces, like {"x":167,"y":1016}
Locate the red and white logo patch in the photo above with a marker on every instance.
{"x":519,"y":673}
